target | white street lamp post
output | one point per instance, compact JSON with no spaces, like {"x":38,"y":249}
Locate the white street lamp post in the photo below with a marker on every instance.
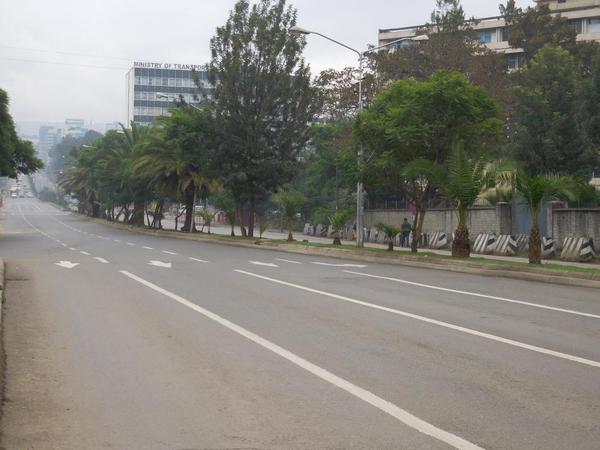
{"x":361,"y":58}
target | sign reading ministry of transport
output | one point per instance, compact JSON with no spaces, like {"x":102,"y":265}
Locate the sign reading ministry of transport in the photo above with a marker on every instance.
{"x":152,"y":65}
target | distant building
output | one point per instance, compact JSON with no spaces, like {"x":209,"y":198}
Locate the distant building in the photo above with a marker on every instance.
{"x":48,"y":137}
{"x":153,"y":88}
{"x":75,"y":128}
{"x":583,"y":15}
{"x":111,"y":126}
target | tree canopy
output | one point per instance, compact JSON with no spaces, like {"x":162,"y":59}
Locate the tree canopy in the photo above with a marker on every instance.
{"x":263,"y":98}
{"x":16,"y":156}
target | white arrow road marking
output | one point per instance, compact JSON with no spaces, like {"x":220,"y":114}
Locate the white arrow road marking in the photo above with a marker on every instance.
{"x":66,"y":264}
{"x":160,"y":264}
{"x":168,"y":252}
{"x":147,"y":248}
{"x":258,"y":263}
{"x":102,"y":260}
{"x":288,"y":261}
{"x":198,"y":260}
{"x":84,"y":253}
{"x":339,"y":265}
{"x":380,"y":403}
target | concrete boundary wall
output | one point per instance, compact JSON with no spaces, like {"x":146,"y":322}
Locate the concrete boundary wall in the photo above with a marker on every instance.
{"x":481,"y":220}
{"x":575,"y":223}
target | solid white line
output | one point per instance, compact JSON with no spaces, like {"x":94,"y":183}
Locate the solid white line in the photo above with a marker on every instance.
{"x":492,"y":337}
{"x":169,"y":253}
{"x":84,"y":253}
{"x":148,"y":248}
{"x":288,"y":261}
{"x":474,"y":294}
{"x":367,"y":396}
{"x":198,"y":260}
{"x":102,"y":260}
{"x":360,"y":266}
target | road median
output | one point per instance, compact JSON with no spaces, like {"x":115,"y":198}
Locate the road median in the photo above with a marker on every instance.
{"x":548,"y":273}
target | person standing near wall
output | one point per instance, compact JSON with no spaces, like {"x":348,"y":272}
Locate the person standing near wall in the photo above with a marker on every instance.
{"x":405,"y":230}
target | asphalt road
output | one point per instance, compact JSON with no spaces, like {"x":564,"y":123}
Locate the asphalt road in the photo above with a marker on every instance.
{"x":159,"y":343}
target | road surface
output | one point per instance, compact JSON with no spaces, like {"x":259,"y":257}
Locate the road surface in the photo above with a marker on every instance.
{"x":126,"y":341}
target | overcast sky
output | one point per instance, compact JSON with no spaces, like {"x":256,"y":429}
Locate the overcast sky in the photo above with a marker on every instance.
{"x":176,"y":31}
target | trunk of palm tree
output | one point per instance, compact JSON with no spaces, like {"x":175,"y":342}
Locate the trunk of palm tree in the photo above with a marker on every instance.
{"x":535,"y":244}
{"x":461,"y":245}
{"x":417,"y":230}
{"x":189,"y":208}
{"x":137,"y":217}
{"x":290,"y":237}
{"x":391,"y":245}
{"x":336,"y":239}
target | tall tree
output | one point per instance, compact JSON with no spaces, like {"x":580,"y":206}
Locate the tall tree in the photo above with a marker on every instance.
{"x":544,"y":130}
{"x":453,"y":45}
{"x":589,"y":113}
{"x":535,"y":27}
{"x":263,"y":98}
{"x":411,"y":127}
{"x":16,"y":155}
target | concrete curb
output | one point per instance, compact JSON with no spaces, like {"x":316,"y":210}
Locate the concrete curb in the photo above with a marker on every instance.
{"x":575,"y":279}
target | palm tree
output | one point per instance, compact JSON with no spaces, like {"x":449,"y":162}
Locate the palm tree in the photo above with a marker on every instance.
{"x":537,"y":190}
{"x":176,"y":156}
{"x":207,"y":216}
{"x":289,"y":203}
{"x":461,"y":185}
{"x":390,"y":231}
{"x":124,"y":158}
{"x":338,"y":222}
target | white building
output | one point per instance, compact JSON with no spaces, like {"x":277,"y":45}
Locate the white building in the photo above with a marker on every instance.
{"x":583,"y":15}
{"x":153,"y":88}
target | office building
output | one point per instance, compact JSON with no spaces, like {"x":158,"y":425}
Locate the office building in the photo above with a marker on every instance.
{"x":48,"y":137}
{"x":75,"y":128}
{"x":153,"y":88}
{"x":583,"y":15}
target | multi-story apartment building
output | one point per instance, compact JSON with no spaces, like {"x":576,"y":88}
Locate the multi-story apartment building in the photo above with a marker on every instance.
{"x":152,"y":89}
{"x":583,"y":15}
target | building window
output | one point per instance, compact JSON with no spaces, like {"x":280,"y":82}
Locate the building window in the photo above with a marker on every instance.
{"x":504,"y":35}
{"x":485,"y":37}
{"x":577,"y":25}
{"x":594,"y":25}
{"x":515,"y":61}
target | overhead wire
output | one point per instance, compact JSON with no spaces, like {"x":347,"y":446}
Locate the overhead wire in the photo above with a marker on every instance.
{"x":59,"y":52}
{"x":39,"y":61}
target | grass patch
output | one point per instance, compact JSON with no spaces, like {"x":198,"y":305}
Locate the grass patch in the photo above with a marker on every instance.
{"x":430,"y":255}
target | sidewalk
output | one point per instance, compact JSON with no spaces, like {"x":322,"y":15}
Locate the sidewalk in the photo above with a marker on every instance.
{"x":272,"y":234}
